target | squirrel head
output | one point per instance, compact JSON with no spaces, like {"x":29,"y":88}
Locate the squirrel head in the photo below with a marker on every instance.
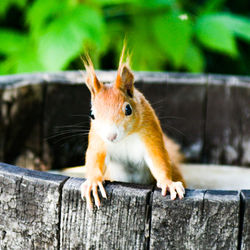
{"x":114,"y":107}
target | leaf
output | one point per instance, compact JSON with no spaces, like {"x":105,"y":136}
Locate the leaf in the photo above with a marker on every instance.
{"x":173,"y":36}
{"x":5,"y":4}
{"x":40,"y":12}
{"x":239,"y":25}
{"x":11,"y":41}
{"x":212,"y":6}
{"x":25,"y":59}
{"x":142,"y":3}
{"x":140,"y":40}
{"x":21,"y":54}
{"x":194,"y":60}
{"x":113,"y":2}
{"x":155,"y":4}
{"x":64,"y":38}
{"x":214,"y":34}
{"x":28,"y":61}
{"x":6,"y":67}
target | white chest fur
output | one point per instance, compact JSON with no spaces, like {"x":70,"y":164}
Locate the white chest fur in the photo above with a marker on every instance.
{"x":125,"y":161}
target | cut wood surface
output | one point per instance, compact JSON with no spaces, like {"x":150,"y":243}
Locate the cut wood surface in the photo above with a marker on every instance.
{"x":245,"y":219}
{"x":177,"y":224}
{"x":121,"y":222}
{"x":40,"y":210}
{"x":29,"y":208}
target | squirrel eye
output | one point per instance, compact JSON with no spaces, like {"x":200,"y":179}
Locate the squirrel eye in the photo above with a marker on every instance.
{"x":128,"y":110}
{"x":91,"y":115}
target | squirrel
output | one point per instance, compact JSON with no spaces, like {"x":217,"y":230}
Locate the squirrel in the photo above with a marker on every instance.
{"x":126,"y":142}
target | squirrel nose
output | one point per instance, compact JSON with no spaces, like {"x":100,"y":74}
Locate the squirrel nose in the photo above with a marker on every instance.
{"x":112,"y":136}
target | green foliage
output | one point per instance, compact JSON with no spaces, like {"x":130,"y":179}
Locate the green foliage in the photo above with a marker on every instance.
{"x":173,"y":36}
{"x":238,"y":25}
{"x":158,"y":32}
{"x":63,"y":39}
{"x":215,"y":34}
{"x":194,"y":60}
{"x":11,"y":41}
{"x":5,"y":4}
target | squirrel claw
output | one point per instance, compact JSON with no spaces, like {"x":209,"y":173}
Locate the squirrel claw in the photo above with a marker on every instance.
{"x":175,"y":188}
{"x":86,"y":189}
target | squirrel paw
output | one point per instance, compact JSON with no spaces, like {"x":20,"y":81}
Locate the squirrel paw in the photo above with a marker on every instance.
{"x":86,"y":189}
{"x":174,"y":188}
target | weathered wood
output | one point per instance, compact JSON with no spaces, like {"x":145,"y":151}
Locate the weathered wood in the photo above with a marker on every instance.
{"x":120,"y":223}
{"x":203,"y":220}
{"x":220,"y":222}
{"x":177,"y":224}
{"x":2,"y":127}
{"x":22,"y":124}
{"x":212,"y":113}
{"x":66,"y":124}
{"x":179,"y":104}
{"x":227,"y":121}
{"x":245,"y":236}
{"x":18,"y":80}
{"x":207,"y":114}
{"x":242,"y":97}
{"x":29,"y":208}
{"x":45,"y":211}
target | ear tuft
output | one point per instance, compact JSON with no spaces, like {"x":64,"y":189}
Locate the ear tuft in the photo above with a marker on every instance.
{"x":91,"y":81}
{"x":125,"y":77}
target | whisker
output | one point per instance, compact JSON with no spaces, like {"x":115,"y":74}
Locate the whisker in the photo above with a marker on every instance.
{"x":175,"y":129}
{"x":72,"y":130}
{"x":70,"y":136}
{"x":159,"y":101}
{"x":81,"y":115}
{"x":82,"y":145}
{"x":67,"y":132}
{"x":77,"y":125}
{"x":172,"y":117}
{"x":158,"y":108}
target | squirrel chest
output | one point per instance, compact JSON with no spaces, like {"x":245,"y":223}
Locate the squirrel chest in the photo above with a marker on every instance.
{"x":125,"y":161}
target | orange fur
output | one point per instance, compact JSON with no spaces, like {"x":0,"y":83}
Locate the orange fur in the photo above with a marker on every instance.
{"x":109,"y":102}
{"x":95,"y":157}
{"x":91,"y":80}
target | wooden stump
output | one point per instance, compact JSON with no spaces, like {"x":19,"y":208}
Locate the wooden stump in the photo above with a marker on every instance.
{"x":120,"y":223}
{"x":245,"y":220}
{"x":45,"y":211}
{"x":207,"y":114}
{"x":29,"y":208}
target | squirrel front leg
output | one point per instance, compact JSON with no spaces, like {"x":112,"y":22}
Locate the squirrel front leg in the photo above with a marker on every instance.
{"x":95,"y":164}
{"x":160,"y":166}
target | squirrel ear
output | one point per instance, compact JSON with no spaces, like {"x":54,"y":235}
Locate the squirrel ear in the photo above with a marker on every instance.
{"x":125,"y":80}
{"x":91,"y":81}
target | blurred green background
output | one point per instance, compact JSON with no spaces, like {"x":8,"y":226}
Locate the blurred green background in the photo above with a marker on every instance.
{"x":167,"y":35}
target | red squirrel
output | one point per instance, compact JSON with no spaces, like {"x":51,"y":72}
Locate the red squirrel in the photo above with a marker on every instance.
{"x":126,"y":142}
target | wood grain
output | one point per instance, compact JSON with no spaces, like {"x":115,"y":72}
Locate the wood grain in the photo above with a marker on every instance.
{"x":203,"y":220}
{"x":227,"y":133}
{"x":22,"y":121}
{"x":220,"y":224}
{"x":176,"y":224}
{"x":45,"y":211}
{"x":207,"y":114}
{"x":29,"y":208}
{"x":245,"y":217}
{"x":120,"y":223}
